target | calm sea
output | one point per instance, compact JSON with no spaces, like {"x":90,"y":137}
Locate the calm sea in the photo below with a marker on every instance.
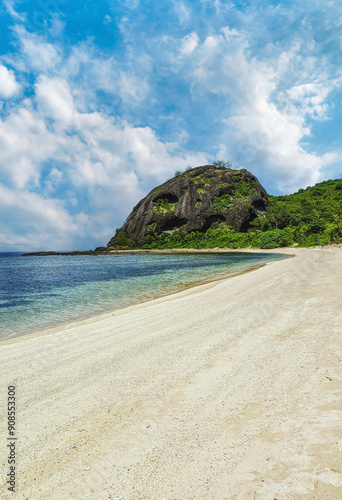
{"x":40,"y":292}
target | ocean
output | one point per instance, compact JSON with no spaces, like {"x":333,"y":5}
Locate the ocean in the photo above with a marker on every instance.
{"x":37,"y":293}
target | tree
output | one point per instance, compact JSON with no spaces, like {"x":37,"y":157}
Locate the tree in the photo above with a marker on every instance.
{"x":221,"y":163}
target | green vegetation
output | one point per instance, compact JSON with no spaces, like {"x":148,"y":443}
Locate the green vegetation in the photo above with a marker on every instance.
{"x":200,"y":190}
{"x":219,"y":235}
{"x":312,"y":216}
{"x":222,"y":164}
{"x":150,"y":228}
{"x":242,"y":189}
{"x":222,"y":202}
{"x":120,"y":238}
{"x":222,"y":184}
{"x":183,"y":173}
{"x":163,"y":206}
{"x":158,"y":188}
{"x":201,"y":179}
{"x":198,"y":204}
{"x":213,"y":237}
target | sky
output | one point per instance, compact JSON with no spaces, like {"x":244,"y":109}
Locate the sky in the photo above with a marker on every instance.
{"x":102,"y":101}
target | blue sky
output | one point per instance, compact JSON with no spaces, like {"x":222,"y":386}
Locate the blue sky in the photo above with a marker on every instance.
{"x":102,"y":101}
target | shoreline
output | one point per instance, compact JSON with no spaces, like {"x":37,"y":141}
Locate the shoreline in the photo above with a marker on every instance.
{"x":115,"y":312}
{"x":133,"y":251}
{"x":226,"y":390}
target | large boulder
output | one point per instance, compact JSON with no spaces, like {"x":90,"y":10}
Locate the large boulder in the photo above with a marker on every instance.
{"x":194,"y":200}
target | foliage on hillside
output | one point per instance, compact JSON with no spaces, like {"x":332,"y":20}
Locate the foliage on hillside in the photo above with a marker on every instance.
{"x":312,"y":216}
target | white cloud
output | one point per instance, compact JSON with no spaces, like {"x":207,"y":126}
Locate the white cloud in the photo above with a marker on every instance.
{"x":37,"y":54}
{"x":9,"y":4}
{"x":311,"y":97}
{"x":265,"y":127}
{"x":107,"y":19}
{"x":132,"y":4}
{"x":220,"y":6}
{"x":297,"y":92}
{"x":8,"y":84}
{"x":131,"y":88}
{"x":25,"y":143}
{"x":129,"y":81}
{"x":54,"y":99}
{"x":189,"y":43}
{"x":182,"y":11}
{"x":34,"y":222}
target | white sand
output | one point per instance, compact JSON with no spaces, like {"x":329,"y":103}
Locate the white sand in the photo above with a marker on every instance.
{"x":226,"y":391}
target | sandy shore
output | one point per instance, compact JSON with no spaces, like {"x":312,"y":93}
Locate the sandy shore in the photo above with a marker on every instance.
{"x":229,"y":390}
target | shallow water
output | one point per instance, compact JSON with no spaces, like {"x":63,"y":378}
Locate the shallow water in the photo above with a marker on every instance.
{"x":40,"y":292}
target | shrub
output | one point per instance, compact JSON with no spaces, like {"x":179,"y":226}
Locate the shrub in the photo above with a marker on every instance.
{"x":274,"y":239}
{"x":222,"y":202}
{"x":150,"y":228}
{"x":242,"y":189}
{"x":199,"y":179}
{"x":163,"y":206}
{"x":332,"y":233}
{"x":222,"y":184}
{"x":120,"y":238}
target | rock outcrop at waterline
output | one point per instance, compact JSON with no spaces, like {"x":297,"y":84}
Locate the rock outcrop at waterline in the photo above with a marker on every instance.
{"x":193,"y":201}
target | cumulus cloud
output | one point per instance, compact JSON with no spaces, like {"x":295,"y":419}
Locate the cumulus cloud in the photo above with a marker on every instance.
{"x":25,"y":143}
{"x":311,"y":98}
{"x":54,"y":99}
{"x":36,"y":53}
{"x":189,"y":43}
{"x":31,"y":221}
{"x":8,"y":84}
{"x":265,"y":127}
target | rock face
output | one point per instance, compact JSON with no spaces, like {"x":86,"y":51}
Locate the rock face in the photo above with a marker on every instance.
{"x":196,"y":199}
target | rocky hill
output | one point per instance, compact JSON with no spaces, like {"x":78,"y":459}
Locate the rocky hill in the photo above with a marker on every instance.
{"x":194,"y":201}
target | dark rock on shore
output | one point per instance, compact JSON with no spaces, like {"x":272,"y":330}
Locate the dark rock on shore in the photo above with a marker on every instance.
{"x":97,"y":251}
{"x":45,"y":254}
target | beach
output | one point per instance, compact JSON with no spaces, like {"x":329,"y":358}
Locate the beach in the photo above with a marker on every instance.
{"x":227,"y":390}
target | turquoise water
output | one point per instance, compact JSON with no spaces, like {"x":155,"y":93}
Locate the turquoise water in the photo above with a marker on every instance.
{"x":37,"y":293}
